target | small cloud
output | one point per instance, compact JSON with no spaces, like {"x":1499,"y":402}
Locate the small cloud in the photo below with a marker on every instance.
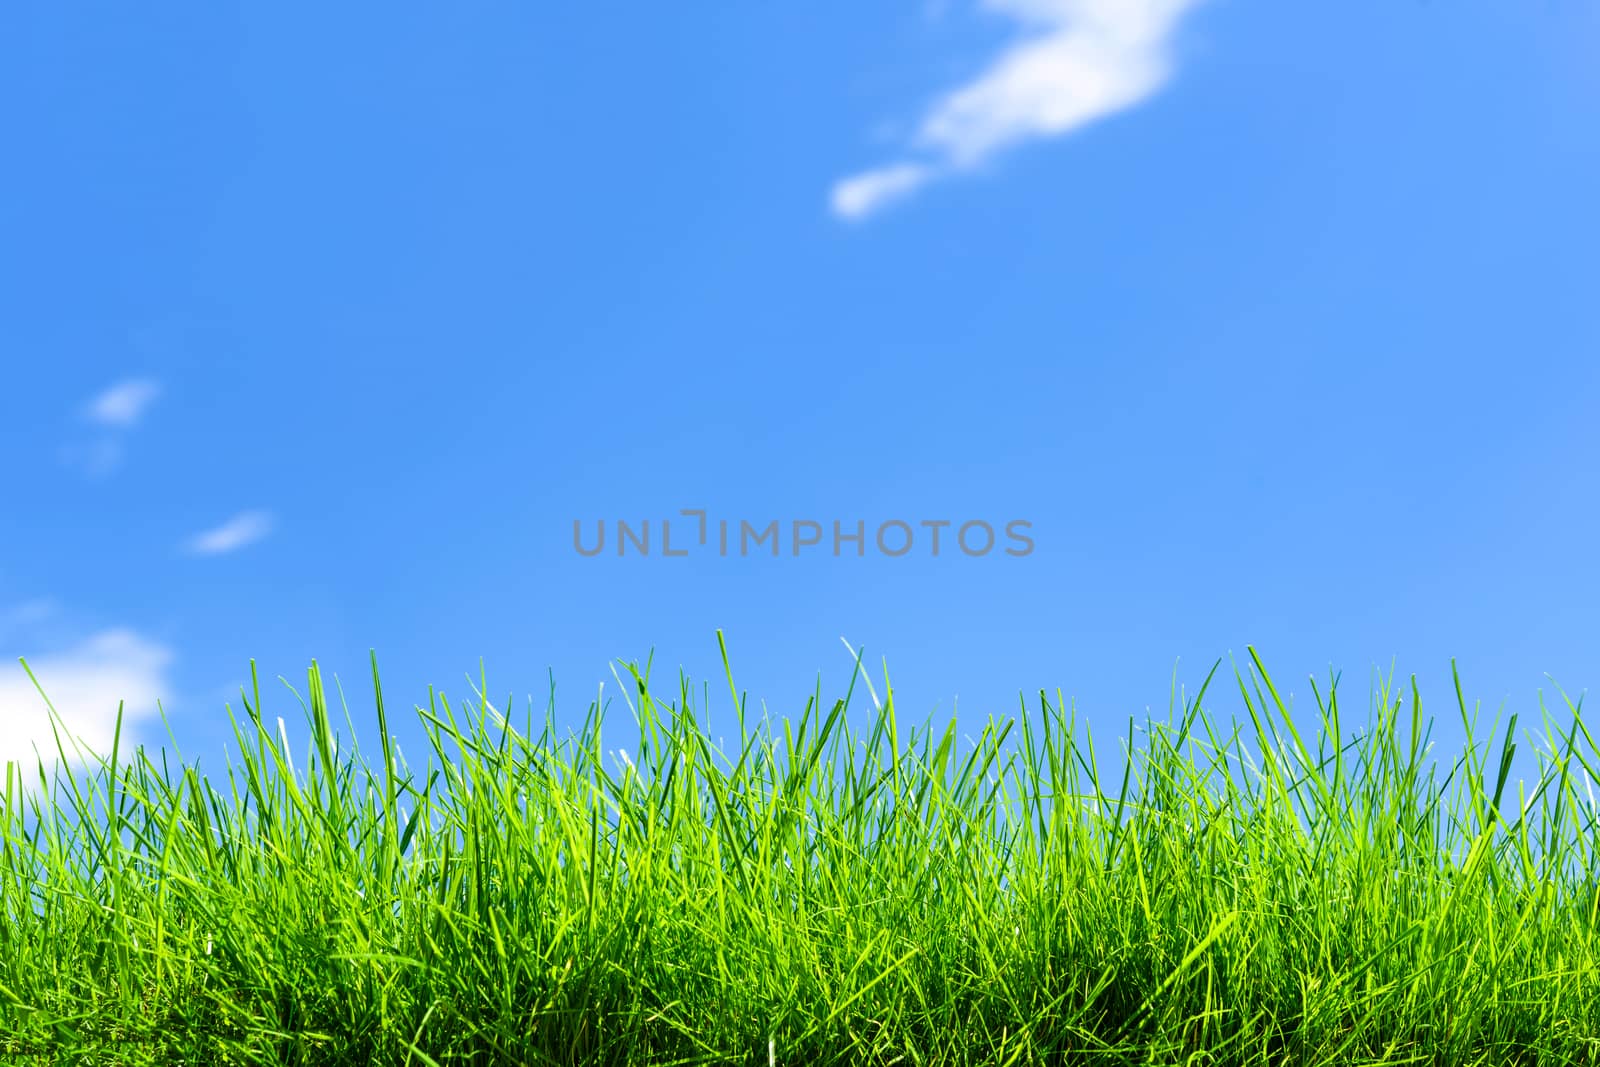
{"x":861,"y":195}
{"x":118,"y":410}
{"x":96,"y":458}
{"x":27,"y":614}
{"x":124,"y":404}
{"x":243,"y":529}
{"x":1080,"y":61}
{"x":85,"y":684}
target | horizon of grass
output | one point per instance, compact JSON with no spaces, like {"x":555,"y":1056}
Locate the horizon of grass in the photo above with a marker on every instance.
{"x":1235,"y":894}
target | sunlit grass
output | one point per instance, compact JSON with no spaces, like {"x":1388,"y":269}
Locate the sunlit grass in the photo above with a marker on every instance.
{"x":1282,"y":890}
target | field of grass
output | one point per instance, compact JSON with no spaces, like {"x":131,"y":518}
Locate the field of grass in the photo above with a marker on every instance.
{"x":1246,"y":893}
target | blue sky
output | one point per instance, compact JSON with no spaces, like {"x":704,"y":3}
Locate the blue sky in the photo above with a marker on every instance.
{"x":323,"y":326}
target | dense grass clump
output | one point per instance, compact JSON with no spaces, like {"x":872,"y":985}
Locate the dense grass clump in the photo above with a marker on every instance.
{"x":1255,"y":894}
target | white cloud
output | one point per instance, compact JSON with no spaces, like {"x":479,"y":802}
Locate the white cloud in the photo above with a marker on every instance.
{"x":124,"y":404}
{"x":244,"y":528}
{"x":119,"y":410}
{"x":85,"y":684}
{"x":1081,"y":60}
{"x":859,"y":196}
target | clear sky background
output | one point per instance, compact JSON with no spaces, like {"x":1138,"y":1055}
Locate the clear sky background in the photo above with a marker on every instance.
{"x":321,"y":325}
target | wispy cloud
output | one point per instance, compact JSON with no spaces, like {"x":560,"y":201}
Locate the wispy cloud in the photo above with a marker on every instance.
{"x":243,"y":529}
{"x":16,"y":618}
{"x":124,"y":404}
{"x":116,"y":411}
{"x":96,"y":458}
{"x":1078,"y":61}
{"x":857,"y":197}
{"x":85,"y":683}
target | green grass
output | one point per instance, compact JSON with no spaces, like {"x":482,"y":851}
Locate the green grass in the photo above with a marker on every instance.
{"x":1230,"y":894}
